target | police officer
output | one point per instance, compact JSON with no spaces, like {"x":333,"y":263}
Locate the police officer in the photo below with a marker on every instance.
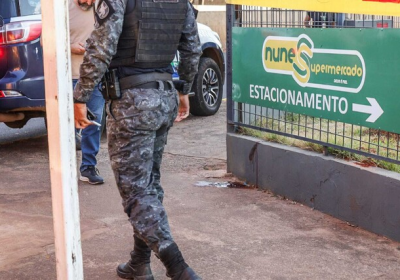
{"x":137,"y":40}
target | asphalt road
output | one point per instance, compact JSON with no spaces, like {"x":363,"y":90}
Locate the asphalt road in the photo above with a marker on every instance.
{"x":225,"y":233}
{"x":34,"y":128}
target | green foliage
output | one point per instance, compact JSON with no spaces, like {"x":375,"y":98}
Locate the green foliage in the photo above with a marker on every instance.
{"x":339,"y":134}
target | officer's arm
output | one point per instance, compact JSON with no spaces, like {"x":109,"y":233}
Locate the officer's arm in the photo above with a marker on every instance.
{"x":190,"y":51}
{"x":101,"y":46}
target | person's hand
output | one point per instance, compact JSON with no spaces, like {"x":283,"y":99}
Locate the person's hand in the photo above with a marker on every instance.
{"x":80,"y":116}
{"x":183,"y":110}
{"x":78,"y":48}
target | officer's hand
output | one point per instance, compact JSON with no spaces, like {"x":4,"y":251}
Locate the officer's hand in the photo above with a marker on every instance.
{"x":183,"y":111}
{"x":77,"y":48}
{"x":80,"y":115}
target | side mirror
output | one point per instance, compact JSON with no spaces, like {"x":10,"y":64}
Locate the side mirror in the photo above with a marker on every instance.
{"x":1,"y":21}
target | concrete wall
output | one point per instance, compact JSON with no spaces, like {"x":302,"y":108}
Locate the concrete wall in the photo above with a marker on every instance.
{"x":365,"y":197}
{"x":215,"y":17}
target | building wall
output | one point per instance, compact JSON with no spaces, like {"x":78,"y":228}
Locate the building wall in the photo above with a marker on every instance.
{"x":214,"y":17}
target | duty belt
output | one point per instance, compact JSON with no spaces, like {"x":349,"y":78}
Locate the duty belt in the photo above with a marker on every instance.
{"x":136,"y":81}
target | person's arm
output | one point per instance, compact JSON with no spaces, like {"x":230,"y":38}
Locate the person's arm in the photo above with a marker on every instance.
{"x":101,"y":46}
{"x":190,"y":51}
{"x":184,"y":107}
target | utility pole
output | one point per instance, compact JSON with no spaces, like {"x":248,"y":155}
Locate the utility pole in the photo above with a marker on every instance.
{"x":61,"y":137}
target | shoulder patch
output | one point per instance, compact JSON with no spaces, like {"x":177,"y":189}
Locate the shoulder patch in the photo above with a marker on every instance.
{"x":103,"y":11}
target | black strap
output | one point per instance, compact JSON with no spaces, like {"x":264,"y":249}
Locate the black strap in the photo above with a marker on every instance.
{"x":137,"y":80}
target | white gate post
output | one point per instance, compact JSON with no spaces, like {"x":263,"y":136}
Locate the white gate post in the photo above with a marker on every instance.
{"x":61,"y":137}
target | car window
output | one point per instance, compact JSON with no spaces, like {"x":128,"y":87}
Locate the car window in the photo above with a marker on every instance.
{"x":15,"y":8}
{"x":8,"y":9}
{"x":29,"y":7}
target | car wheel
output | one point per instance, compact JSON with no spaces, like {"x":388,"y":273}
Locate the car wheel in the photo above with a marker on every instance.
{"x":208,"y":89}
{"x":17,"y":124}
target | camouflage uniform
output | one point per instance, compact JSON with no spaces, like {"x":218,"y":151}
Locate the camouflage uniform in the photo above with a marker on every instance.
{"x":138,"y":123}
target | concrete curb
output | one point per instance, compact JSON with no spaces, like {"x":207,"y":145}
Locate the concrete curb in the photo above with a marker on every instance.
{"x":365,"y":197}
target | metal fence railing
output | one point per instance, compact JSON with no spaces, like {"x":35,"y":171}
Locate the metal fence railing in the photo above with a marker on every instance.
{"x":254,"y":16}
{"x":349,"y":137}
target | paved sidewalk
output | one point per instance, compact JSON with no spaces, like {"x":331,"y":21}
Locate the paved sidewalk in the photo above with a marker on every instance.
{"x":224,"y":233}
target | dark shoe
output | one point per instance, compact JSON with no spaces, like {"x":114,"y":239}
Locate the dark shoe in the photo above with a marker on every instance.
{"x":138,"y":267}
{"x":91,"y":175}
{"x":177,"y":268}
{"x":136,"y":272}
{"x":187,"y":274}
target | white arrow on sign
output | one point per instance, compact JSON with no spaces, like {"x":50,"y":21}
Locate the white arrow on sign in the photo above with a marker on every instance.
{"x":374,"y":109}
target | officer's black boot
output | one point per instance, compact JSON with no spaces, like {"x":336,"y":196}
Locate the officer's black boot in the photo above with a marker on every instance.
{"x":176,"y":267}
{"x":138,"y":267}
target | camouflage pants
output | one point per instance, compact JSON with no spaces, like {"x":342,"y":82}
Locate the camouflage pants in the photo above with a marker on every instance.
{"x":137,"y":128}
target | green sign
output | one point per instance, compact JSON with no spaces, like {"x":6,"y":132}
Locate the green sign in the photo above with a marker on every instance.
{"x":346,"y":75}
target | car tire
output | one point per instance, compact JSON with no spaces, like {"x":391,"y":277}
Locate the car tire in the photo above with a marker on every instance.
{"x":208,"y":89}
{"x":17,"y":124}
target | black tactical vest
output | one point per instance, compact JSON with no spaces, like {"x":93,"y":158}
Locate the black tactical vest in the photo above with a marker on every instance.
{"x":150,"y":34}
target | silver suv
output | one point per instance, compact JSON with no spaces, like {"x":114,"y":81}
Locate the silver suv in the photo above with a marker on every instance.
{"x":209,"y":81}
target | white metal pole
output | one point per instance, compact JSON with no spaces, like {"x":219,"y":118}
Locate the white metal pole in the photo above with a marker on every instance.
{"x":61,"y":137}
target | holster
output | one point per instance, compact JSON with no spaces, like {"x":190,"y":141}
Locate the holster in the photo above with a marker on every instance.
{"x":110,"y":88}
